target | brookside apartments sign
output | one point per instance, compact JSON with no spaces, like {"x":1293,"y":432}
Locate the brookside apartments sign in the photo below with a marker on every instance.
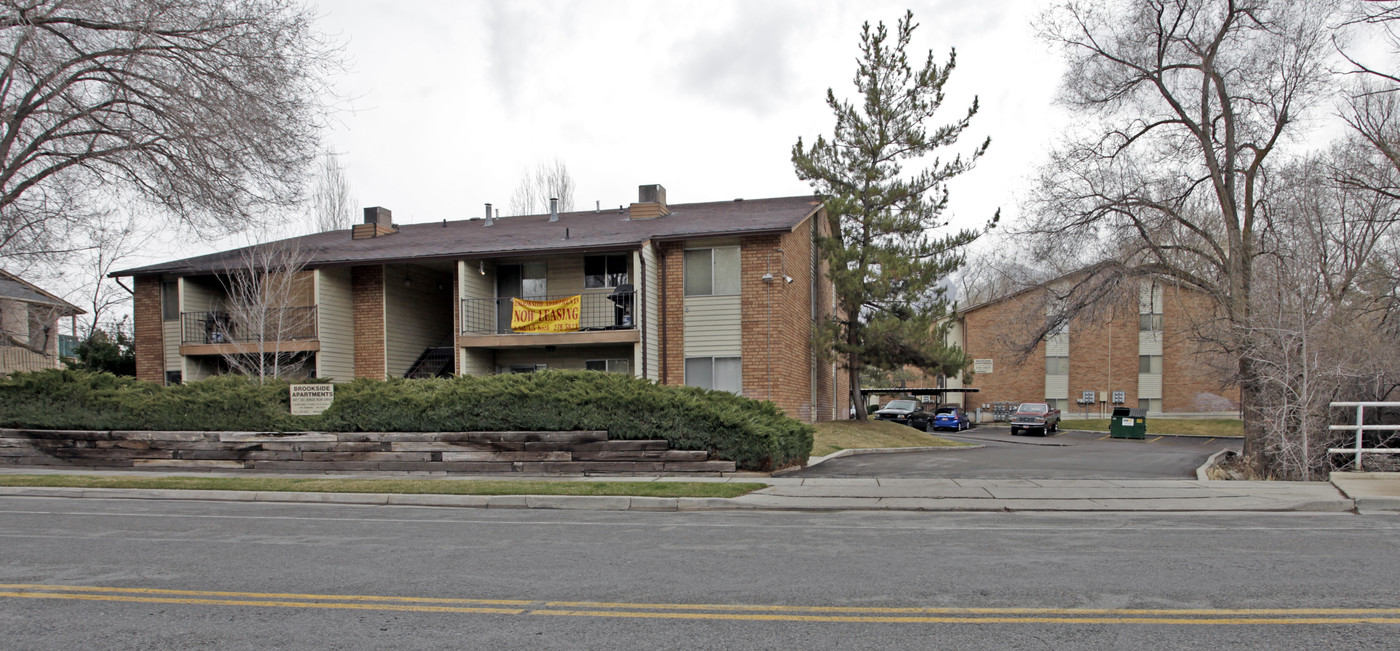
{"x":311,"y":399}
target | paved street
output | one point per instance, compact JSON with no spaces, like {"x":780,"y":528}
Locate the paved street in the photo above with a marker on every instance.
{"x":1067,"y":455}
{"x":139,"y":574}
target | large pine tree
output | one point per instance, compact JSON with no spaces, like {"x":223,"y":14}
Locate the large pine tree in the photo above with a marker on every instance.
{"x":885,"y":254}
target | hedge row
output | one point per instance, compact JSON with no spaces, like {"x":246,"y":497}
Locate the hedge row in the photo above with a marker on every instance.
{"x":755,"y":435}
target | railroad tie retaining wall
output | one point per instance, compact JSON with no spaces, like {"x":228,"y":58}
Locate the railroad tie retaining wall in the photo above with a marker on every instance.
{"x":581,"y":452}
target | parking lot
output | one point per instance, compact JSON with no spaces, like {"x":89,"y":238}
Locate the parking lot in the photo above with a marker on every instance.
{"x":1067,"y":455}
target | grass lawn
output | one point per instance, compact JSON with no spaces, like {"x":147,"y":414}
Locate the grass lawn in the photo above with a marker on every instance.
{"x":402,"y":486}
{"x":1221,"y":427}
{"x":837,"y":435}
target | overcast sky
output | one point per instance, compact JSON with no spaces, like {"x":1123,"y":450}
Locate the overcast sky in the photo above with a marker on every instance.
{"x":449,"y":103}
{"x":446,"y":105}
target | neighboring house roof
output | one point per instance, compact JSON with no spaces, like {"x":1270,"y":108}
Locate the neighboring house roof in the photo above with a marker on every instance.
{"x":13,"y":287}
{"x":575,"y":231}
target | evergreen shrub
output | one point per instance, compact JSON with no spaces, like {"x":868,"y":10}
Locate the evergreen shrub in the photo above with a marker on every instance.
{"x":754,"y":434}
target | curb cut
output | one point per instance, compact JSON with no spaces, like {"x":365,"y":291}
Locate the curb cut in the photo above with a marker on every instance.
{"x":854,"y":451}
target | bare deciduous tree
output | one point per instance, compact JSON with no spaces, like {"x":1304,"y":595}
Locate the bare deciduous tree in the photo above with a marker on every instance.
{"x":1187,"y":103}
{"x":209,"y":110}
{"x":332,"y":205}
{"x":267,"y":305}
{"x":546,"y":181}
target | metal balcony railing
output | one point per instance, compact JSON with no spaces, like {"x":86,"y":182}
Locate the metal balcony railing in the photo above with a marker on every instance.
{"x":272,"y":324}
{"x":491,"y":316}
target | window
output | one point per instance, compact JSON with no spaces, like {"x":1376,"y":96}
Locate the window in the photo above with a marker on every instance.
{"x":1061,"y":404}
{"x":170,"y":301}
{"x":718,"y":373}
{"x":1149,"y":364}
{"x":712,"y":272}
{"x":174,"y":377}
{"x":1057,"y":366}
{"x":1149,"y":323}
{"x":604,"y":271}
{"x":1153,"y":405}
{"x":609,"y":365}
{"x":532,"y":280}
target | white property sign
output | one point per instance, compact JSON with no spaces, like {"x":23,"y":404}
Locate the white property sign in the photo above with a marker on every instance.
{"x":981,"y":366}
{"x":311,"y":399}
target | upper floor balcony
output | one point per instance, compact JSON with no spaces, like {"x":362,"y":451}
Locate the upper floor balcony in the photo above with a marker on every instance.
{"x":584,"y":318}
{"x":282,"y":329}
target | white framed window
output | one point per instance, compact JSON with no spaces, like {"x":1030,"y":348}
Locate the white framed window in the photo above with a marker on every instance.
{"x":170,"y":301}
{"x":718,"y":373}
{"x":712,"y":272}
{"x":601,"y":271}
{"x":1153,"y":405}
{"x":609,"y":365}
{"x":1057,"y":365}
{"x":1148,"y":364}
{"x":1061,"y":404}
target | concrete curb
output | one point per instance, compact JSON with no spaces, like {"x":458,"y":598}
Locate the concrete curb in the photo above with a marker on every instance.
{"x":1203,"y":470}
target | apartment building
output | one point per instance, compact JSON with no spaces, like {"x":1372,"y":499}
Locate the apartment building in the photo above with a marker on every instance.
{"x":1142,"y":352}
{"x":721,"y":295}
{"x":29,"y":325}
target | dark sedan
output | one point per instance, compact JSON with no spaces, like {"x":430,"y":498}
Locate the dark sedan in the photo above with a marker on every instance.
{"x":906,"y":412}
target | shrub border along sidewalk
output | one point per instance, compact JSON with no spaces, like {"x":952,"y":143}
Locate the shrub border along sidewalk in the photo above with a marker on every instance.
{"x":756,"y":435}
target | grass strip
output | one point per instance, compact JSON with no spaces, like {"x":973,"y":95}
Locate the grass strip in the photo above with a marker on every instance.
{"x":397,"y":486}
{"x":836,"y":435}
{"x":1218,"y":427}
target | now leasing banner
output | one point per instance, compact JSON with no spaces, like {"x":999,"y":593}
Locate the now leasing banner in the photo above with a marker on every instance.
{"x":559,"y":315}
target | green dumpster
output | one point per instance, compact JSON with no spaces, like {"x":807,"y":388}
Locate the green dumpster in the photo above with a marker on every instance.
{"x":1128,"y":423}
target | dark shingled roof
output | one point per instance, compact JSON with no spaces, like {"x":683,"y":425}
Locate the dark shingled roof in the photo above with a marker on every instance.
{"x":587,"y":231}
{"x":14,"y":288}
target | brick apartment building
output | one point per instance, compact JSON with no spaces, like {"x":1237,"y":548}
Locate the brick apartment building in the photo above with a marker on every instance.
{"x":1140,"y":352}
{"x":722,"y":295}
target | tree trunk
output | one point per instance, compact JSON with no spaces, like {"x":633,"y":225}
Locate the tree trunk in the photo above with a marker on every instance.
{"x":1255,"y":450}
{"x":853,"y":369}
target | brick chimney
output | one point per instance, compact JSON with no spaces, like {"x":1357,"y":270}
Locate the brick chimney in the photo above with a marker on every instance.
{"x":651,"y":203}
{"x":378,"y":221}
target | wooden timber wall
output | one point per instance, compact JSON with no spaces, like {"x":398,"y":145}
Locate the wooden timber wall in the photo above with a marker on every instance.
{"x":584,"y":452}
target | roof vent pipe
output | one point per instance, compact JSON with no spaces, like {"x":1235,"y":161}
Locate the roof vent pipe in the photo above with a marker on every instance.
{"x":553,"y":210}
{"x":488,"y":215}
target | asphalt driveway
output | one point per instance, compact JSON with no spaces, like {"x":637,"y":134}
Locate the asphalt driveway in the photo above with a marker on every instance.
{"x":1067,"y":455}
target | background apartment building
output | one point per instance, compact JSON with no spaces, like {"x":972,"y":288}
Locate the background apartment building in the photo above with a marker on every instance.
{"x":721,"y":295}
{"x":29,"y":339}
{"x":1142,"y":352}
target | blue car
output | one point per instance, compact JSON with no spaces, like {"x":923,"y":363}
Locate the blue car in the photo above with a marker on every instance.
{"x":953,"y":418}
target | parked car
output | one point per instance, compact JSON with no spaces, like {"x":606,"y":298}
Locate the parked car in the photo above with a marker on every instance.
{"x":906,"y":412}
{"x":1037,"y":416}
{"x":953,"y":418}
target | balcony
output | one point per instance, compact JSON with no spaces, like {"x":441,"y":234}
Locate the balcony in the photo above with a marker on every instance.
{"x":287,"y":329}
{"x":603,"y":318}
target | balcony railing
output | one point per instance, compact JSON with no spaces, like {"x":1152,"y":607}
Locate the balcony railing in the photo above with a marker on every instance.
{"x":491,"y":316}
{"x":272,"y":324}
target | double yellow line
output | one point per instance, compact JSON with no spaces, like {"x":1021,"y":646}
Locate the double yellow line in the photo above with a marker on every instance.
{"x":730,"y":612}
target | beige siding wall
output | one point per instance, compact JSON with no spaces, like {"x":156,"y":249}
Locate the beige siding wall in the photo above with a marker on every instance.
{"x":1149,"y":343}
{"x":14,"y":358}
{"x":477,"y":361}
{"x":652,"y":298}
{"x":1056,"y":387}
{"x":14,"y":319}
{"x":171,"y":332}
{"x":199,"y":367}
{"x":1057,"y":345}
{"x":1149,"y":385}
{"x":336,"y":327}
{"x":563,"y":359}
{"x":200,"y":295}
{"x":713,"y":326}
{"x":416,"y":317}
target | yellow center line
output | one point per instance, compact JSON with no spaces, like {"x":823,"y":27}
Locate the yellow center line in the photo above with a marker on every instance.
{"x":1155,"y":440}
{"x":730,"y":612}
{"x":1103,"y":437}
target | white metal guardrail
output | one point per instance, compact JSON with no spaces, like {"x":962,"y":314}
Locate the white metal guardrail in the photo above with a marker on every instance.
{"x":1360,"y":427}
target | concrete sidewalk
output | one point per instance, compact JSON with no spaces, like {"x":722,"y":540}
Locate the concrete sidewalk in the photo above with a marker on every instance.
{"x":1378,"y":492}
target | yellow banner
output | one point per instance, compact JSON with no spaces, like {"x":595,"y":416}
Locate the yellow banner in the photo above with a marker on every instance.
{"x":559,"y":315}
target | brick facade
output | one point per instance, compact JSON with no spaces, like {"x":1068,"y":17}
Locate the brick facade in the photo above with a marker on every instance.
{"x":148,"y":330}
{"x":367,"y":292}
{"x":1103,"y":354}
{"x":671,"y":296}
